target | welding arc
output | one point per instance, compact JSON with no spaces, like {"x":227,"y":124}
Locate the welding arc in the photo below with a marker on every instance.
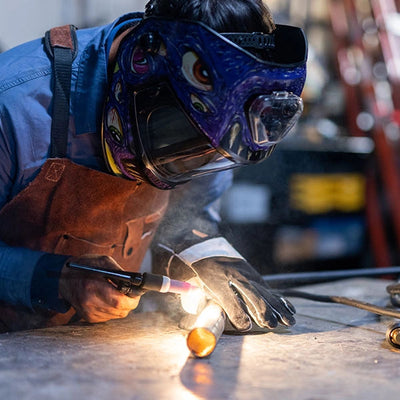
{"x":341,"y":300}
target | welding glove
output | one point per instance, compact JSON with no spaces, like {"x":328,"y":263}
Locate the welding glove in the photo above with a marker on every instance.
{"x":238,"y":288}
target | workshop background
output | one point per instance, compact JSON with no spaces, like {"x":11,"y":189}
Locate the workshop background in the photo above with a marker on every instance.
{"x":329,"y":196}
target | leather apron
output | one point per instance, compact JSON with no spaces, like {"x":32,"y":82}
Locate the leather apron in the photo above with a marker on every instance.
{"x":72,"y":210}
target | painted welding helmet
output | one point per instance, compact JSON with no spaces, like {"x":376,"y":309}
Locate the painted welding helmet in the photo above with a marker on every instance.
{"x":185,"y":100}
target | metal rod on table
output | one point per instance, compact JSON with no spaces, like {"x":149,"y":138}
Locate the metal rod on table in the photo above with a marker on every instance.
{"x":208,"y":328}
{"x":299,"y":278}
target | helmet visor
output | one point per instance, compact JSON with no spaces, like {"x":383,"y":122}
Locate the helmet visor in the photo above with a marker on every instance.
{"x":173,"y":148}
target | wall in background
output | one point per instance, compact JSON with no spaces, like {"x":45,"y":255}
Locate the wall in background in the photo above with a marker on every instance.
{"x":23,"y":20}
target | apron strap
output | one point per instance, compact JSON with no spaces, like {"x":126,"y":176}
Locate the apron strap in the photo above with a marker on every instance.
{"x":62,"y":46}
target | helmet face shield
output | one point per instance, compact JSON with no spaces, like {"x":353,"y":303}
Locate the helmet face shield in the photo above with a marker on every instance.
{"x":183,"y":153}
{"x":190,"y":101}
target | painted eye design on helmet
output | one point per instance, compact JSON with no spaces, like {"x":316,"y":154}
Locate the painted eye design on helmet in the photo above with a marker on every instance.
{"x":139,"y":62}
{"x":195,"y":71}
{"x":118,"y":91}
{"x":198,"y":104}
{"x":114,"y":126}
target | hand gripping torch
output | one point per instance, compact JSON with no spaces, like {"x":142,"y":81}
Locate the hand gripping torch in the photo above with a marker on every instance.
{"x":132,"y":283}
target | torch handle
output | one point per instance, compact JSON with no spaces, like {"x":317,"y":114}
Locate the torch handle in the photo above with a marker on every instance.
{"x":132,"y":283}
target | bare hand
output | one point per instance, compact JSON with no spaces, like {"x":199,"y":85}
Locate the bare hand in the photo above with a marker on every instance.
{"x":93,"y":298}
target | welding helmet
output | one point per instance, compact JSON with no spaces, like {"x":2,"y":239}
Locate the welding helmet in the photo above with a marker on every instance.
{"x":185,"y":100}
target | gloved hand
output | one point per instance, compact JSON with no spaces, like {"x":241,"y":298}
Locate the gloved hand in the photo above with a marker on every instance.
{"x":239,"y":289}
{"x":93,"y":298}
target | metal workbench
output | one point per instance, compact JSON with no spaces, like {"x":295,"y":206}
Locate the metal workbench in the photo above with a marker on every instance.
{"x":333,"y":352}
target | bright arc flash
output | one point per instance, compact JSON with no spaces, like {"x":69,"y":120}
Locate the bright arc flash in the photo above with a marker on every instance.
{"x":193,"y":300}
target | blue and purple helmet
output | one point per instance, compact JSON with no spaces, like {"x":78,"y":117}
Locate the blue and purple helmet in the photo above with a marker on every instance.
{"x":185,"y":100}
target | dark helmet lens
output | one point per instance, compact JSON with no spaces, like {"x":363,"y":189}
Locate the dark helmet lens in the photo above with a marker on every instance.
{"x":174,"y":149}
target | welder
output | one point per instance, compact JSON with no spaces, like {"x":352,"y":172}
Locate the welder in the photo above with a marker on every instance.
{"x":120,"y":139}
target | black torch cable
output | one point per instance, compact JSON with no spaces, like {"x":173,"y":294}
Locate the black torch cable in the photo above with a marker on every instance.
{"x":341,"y":300}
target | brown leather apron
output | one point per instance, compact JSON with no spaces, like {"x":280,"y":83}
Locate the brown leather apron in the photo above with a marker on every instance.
{"x":73,"y":210}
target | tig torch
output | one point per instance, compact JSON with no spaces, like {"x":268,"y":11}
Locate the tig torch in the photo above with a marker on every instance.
{"x":130,"y":283}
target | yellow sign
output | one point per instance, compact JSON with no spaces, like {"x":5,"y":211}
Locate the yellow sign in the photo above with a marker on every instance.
{"x":322,"y":193}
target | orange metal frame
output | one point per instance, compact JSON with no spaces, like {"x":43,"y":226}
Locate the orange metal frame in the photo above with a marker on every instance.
{"x":361,"y":95}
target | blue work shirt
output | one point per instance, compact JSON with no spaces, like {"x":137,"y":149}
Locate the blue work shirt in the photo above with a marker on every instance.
{"x":25,"y":125}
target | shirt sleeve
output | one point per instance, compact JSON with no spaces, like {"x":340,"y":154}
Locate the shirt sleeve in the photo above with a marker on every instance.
{"x":16,"y":270}
{"x":30,"y":278}
{"x":44,"y":283}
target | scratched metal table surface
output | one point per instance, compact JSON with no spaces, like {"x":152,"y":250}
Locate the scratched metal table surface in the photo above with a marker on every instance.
{"x":333,"y":352}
